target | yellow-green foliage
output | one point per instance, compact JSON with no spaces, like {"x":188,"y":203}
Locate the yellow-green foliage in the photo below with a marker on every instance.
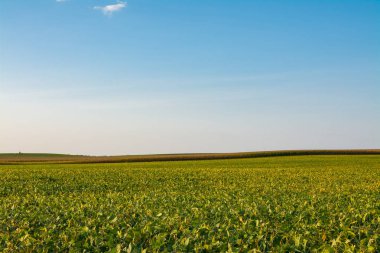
{"x":279,"y":204}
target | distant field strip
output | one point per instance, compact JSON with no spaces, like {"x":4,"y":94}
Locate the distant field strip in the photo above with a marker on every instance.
{"x":60,"y":158}
{"x":328,"y":203}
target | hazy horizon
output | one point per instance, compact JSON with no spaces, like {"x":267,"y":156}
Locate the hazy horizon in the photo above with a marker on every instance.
{"x":141,"y":77}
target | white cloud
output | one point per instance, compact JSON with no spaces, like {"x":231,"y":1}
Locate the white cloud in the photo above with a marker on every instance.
{"x":60,"y":1}
{"x":109,"y":9}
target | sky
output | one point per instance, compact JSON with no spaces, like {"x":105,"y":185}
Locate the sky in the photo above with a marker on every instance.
{"x":105,"y":77}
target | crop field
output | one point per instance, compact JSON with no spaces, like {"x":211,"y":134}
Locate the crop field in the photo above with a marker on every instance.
{"x":23,"y":158}
{"x":319,"y":203}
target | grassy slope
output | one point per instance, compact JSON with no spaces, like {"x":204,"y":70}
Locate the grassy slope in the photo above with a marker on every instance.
{"x":61,"y":158}
{"x":283,"y":204}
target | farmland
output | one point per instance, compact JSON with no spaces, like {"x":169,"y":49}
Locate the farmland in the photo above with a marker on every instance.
{"x":303,"y":203}
{"x":29,"y":158}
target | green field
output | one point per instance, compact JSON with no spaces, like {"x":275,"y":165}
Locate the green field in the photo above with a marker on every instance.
{"x":273,"y":204}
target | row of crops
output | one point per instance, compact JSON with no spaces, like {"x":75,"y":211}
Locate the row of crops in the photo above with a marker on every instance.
{"x":278,"y":204}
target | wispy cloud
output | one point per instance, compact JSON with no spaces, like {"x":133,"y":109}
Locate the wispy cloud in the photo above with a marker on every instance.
{"x":61,"y":1}
{"x":109,"y":9}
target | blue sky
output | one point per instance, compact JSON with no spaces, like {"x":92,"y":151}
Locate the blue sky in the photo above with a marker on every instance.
{"x":174,"y":76}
